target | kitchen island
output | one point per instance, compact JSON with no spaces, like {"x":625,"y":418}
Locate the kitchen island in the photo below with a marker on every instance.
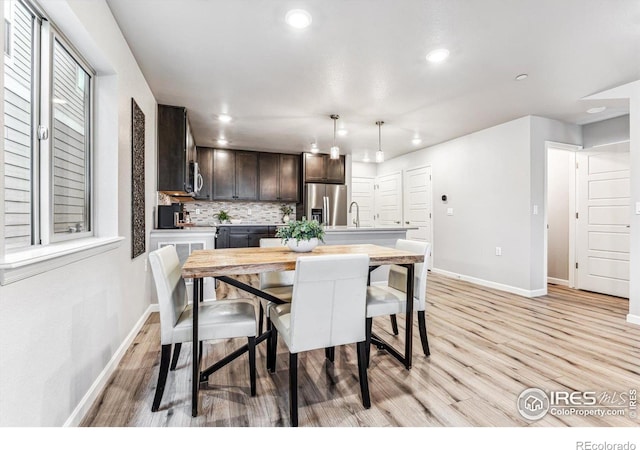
{"x":384,"y":236}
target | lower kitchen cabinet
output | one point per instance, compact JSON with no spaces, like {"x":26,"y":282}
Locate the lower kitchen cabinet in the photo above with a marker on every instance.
{"x":243,"y":236}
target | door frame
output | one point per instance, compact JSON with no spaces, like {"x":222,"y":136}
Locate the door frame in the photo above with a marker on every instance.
{"x":572,"y":210}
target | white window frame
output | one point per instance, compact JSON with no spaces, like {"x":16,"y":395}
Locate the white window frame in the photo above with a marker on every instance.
{"x":47,"y":233}
{"x":45,"y":253}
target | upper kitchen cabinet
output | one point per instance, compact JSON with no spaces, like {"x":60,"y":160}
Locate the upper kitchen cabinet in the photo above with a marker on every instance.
{"x":235,"y":175}
{"x":176,"y":149}
{"x":205,"y":164}
{"x":279,"y":177}
{"x":319,"y":168}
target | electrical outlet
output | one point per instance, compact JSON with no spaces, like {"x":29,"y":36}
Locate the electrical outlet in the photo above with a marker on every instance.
{"x":535,"y":210}
{"x":197,"y":210}
{"x":146,"y":263}
{"x":449,"y":211}
{"x":248,"y":212}
{"x":498,"y":251}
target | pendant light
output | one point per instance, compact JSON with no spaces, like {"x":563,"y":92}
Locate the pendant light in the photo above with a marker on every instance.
{"x":379,"y":153}
{"x":335,"y":150}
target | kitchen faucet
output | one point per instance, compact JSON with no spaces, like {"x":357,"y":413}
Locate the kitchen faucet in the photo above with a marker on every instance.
{"x":357,"y":219}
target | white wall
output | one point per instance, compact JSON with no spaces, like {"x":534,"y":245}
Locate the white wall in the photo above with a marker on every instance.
{"x":59,"y":330}
{"x":559,"y":165}
{"x":361,"y":169}
{"x":492,"y":179}
{"x":542,"y":131}
{"x":606,"y":131}
{"x":485,"y":176}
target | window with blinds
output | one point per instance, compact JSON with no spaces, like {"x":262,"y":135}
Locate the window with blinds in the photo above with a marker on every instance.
{"x":18,"y":125}
{"x":47,"y":133}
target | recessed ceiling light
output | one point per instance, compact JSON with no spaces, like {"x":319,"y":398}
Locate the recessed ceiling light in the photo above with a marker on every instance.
{"x":596,"y":110}
{"x":222,"y":141}
{"x":226,"y":118}
{"x":438,"y":55}
{"x":298,"y":18}
{"x":342,"y":132}
{"x":416,"y":141}
{"x":522,"y":76}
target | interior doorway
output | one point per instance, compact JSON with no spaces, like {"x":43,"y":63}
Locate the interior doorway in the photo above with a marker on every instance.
{"x":587,"y":216}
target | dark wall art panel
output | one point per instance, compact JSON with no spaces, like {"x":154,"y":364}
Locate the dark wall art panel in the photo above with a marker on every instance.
{"x":137,"y":181}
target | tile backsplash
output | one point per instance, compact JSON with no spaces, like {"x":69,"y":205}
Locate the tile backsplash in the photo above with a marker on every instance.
{"x":248,"y":212}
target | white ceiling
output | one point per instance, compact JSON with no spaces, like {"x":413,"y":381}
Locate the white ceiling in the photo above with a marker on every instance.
{"x":365,"y":60}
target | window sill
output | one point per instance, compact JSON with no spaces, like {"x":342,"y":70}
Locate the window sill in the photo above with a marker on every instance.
{"x":27,"y":263}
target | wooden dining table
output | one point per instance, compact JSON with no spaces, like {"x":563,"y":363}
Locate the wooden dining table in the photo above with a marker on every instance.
{"x":224,"y":264}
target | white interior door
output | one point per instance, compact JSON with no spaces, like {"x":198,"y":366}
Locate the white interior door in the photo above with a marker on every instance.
{"x":388,"y":200}
{"x":602,"y":225}
{"x":418,"y":203}
{"x":363,"y":194}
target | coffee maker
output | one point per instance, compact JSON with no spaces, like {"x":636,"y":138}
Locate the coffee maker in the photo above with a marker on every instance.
{"x":169,"y":216}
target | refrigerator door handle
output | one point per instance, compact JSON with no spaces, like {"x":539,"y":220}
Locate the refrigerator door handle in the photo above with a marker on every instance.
{"x":327,"y":219}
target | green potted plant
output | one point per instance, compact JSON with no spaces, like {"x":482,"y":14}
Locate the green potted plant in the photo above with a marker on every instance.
{"x":286,"y":210}
{"x":301,"y":235}
{"x":223,"y":216}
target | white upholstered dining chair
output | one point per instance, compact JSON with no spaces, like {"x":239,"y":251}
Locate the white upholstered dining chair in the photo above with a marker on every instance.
{"x":279,"y":284}
{"x":391,"y":298}
{"x":217,"y":319}
{"x":327,"y":309}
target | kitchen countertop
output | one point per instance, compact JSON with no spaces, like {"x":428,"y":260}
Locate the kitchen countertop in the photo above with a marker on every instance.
{"x":185,"y":230}
{"x":249,"y":224}
{"x":352,"y":229}
{"x":336,"y":229}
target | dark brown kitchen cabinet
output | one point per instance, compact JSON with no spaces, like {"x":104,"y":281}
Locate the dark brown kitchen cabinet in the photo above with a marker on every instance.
{"x":204,"y":156}
{"x":243,"y":236}
{"x":320,"y":168}
{"x":279,"y":177}
{"x":176,"y":148}
{"x":235,"y":175}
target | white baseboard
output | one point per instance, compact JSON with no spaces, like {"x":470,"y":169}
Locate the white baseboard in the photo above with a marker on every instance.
{"x":558,"y":281}
{"x":96,"y":388}
{"x":493,"y":285}
{"x":633,"y":318}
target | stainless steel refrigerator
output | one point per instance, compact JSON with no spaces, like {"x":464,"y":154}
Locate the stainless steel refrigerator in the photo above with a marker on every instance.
{"x":327,"y":203}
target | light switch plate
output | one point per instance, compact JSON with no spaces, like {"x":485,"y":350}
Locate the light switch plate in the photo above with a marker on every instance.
{"x":535,"y":210}
{"x":449,"y":211}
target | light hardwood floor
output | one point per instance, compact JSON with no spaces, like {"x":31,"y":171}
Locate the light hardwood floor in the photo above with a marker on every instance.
{"x":487,"y":346}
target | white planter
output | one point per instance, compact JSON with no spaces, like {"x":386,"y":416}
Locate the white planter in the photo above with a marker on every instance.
{"x":302,"y":246}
